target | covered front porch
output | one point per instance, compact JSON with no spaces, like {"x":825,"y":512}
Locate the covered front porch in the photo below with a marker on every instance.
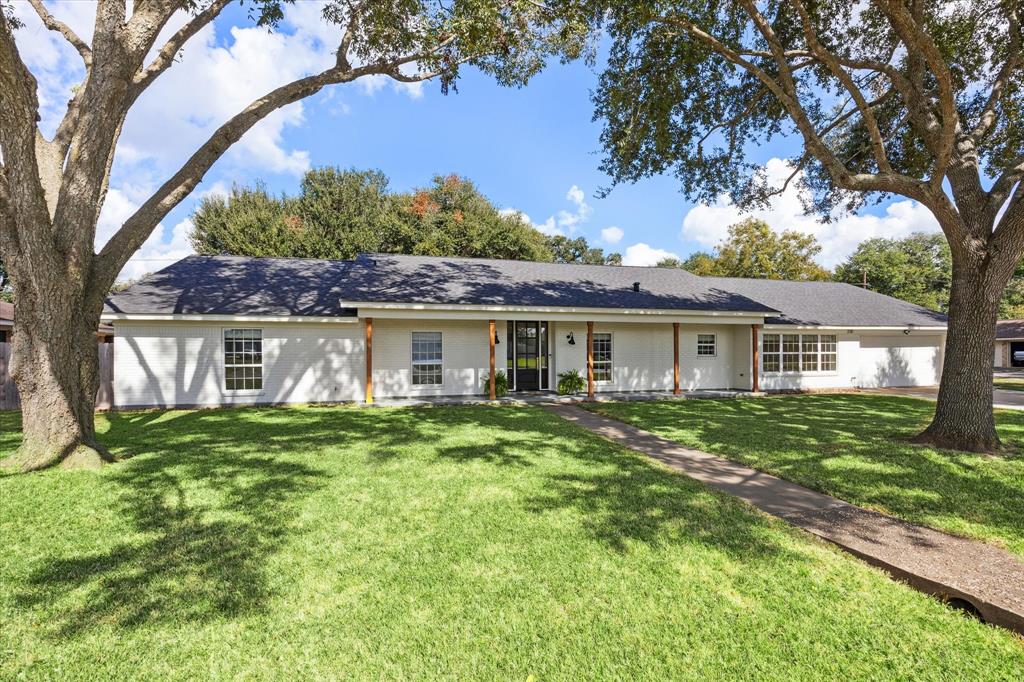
{"x":616,"y":355}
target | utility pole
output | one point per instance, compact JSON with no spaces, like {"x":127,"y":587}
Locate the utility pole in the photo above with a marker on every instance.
{"x":864,"y":278}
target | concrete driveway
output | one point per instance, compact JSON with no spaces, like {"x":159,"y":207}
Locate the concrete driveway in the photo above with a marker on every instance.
{"x":1001,"y":398}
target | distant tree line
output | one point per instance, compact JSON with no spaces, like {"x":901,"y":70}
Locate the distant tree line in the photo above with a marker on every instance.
{"x":340,"y":213}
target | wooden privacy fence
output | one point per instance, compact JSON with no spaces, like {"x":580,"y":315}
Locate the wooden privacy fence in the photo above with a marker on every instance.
{"x":104,"y":396}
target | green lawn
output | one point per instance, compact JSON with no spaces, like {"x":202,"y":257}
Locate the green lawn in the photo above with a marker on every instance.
{"x":464,"y":543}
{"x":1009,"y":384}
{"x":852,"y":447}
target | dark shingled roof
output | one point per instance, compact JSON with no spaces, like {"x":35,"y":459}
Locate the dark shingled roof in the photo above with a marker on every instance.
{"x":237,"y":285}
{"x":385,"y":278}
{"x":1010,"y":329}
{"x":231,"y":285}
{"x":829,"y":304}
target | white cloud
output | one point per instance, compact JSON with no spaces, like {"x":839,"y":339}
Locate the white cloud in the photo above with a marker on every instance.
{"x":644,"y":254}
{"x":706,"y":224}
{"x":612,"y":235}
{"x":562,"y":223}
{"x":161,"y":249}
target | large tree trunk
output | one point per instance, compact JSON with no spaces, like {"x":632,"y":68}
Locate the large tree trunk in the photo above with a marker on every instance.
{"x":963,"y":415}
{"x":54,"y":364}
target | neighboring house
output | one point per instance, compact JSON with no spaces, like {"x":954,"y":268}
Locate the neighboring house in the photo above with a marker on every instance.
{"x":1009,"y":341}
{"x":217,"y":330}
{"x":6,"y":321}
{"x":105,"y":331}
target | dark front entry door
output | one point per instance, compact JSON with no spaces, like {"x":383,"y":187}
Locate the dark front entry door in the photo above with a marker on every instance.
{"x":531,"y":356}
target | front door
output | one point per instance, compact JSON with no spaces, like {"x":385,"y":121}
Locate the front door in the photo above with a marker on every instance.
{"x":531,"y":356}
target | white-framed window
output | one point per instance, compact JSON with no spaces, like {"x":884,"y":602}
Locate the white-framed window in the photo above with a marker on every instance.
{"x":603,"y":357}
{"x":426,"y":359}
{"x":798,"y":353}
{"x":243,"y":359}
{"x":707,"y":344}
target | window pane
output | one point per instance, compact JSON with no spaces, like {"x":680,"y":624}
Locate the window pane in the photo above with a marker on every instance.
{"x":828,"y":352}
{"x":810,"y":361}
{"x":243,"y":359}
{"x":770,"y":343}
{"x":705,"y":344}
{"x":602,"y":357}
{"x":770,"y":363}
{"x":426,"y":358}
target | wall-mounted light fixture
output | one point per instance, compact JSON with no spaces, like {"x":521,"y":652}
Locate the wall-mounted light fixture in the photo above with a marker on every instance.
{"x":570,"y":339}
{"x":497,"y":339}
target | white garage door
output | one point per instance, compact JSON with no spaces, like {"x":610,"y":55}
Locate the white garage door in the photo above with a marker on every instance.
{"x":899,"y":360}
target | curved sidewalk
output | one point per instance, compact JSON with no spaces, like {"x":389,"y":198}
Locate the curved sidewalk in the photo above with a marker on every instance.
{"x":965,"y":572}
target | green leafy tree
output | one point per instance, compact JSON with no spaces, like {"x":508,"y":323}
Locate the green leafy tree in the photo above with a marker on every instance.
{"x":452,"y":218}
{"x":52,"y":187}
{"x":923,"y":100}
{"x":918,"y":268}
{"x":566,"y":250}
{"x":5,"y":284}
{"x":753,"y":250}
{"x":336,"y":215}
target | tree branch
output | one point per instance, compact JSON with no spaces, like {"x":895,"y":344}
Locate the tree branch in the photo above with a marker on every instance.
{"x":917,"y":40}
{"x":54,"y":24}
{"x":988,"y":112}
{"x":826,"y":57}
{"x":174,"y":44}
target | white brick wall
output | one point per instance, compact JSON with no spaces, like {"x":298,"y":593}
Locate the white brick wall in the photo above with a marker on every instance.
{"x":642,"y":355}
{"x":464,"y":354}
{"x":866,"y":360}
{"x":182,"y":364}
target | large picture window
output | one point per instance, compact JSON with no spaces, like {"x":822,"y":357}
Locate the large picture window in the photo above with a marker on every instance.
{"x":243,"y":359}
{"x":602,"y":357}
{"x":426,"y":359}
{"x":798,"y":353}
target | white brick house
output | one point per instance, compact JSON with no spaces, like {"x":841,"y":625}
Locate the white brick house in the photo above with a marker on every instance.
{"x":219,"y":330}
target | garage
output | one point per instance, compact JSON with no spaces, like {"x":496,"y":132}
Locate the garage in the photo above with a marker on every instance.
{"x":899,"y":360}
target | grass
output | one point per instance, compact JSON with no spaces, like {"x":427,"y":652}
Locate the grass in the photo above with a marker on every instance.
{"x":1009,"y":384}
{"x":463,"y":543}
{"x":853,"y":447}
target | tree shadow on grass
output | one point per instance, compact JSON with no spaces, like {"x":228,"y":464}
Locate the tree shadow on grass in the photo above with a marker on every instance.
{"x":853,"y":447}
{"x":200,"y":527}
{"x":210,"y":497}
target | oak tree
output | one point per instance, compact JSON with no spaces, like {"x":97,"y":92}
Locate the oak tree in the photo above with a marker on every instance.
{"x":914,"y":98}
{"x":53,"y":188}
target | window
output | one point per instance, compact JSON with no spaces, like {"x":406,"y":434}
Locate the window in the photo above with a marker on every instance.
{"x":809,"y":352}
{"x":828,"y":352}
{"x":602,"y":357}
{"x":706,"y":344}
{"x":770,"y":353}
{"x":426,"y":359}
{"x":798,"y":353}
{"x":243,"y":359}
{"x":790,"y":352}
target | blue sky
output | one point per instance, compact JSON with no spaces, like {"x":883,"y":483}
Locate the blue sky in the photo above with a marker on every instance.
{"x":533,"y":149}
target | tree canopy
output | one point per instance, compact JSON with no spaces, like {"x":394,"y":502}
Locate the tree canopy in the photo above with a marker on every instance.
{"x":339,"y":213}
{"x":53,"y":184}
{"x":915,"y":98}
{"x":754,"y":250}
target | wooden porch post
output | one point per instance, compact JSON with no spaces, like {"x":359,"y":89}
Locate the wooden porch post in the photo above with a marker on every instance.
{"x":755,"y":352}
{"x":369,"y":360}
{"x":490,"y":337}
{"x":675,"y":359}
{"x":590,"y":360}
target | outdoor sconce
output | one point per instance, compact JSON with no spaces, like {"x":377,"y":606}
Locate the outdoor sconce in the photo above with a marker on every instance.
{"x":497,"y":339}
{"x":571,"y":339}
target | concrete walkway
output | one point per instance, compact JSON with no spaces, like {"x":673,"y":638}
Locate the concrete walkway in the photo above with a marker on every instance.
{"x":969,"y":574}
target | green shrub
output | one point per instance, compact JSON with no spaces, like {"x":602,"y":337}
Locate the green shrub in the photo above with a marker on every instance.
{"x":571,"y":382}
{"x":500,"y":384}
